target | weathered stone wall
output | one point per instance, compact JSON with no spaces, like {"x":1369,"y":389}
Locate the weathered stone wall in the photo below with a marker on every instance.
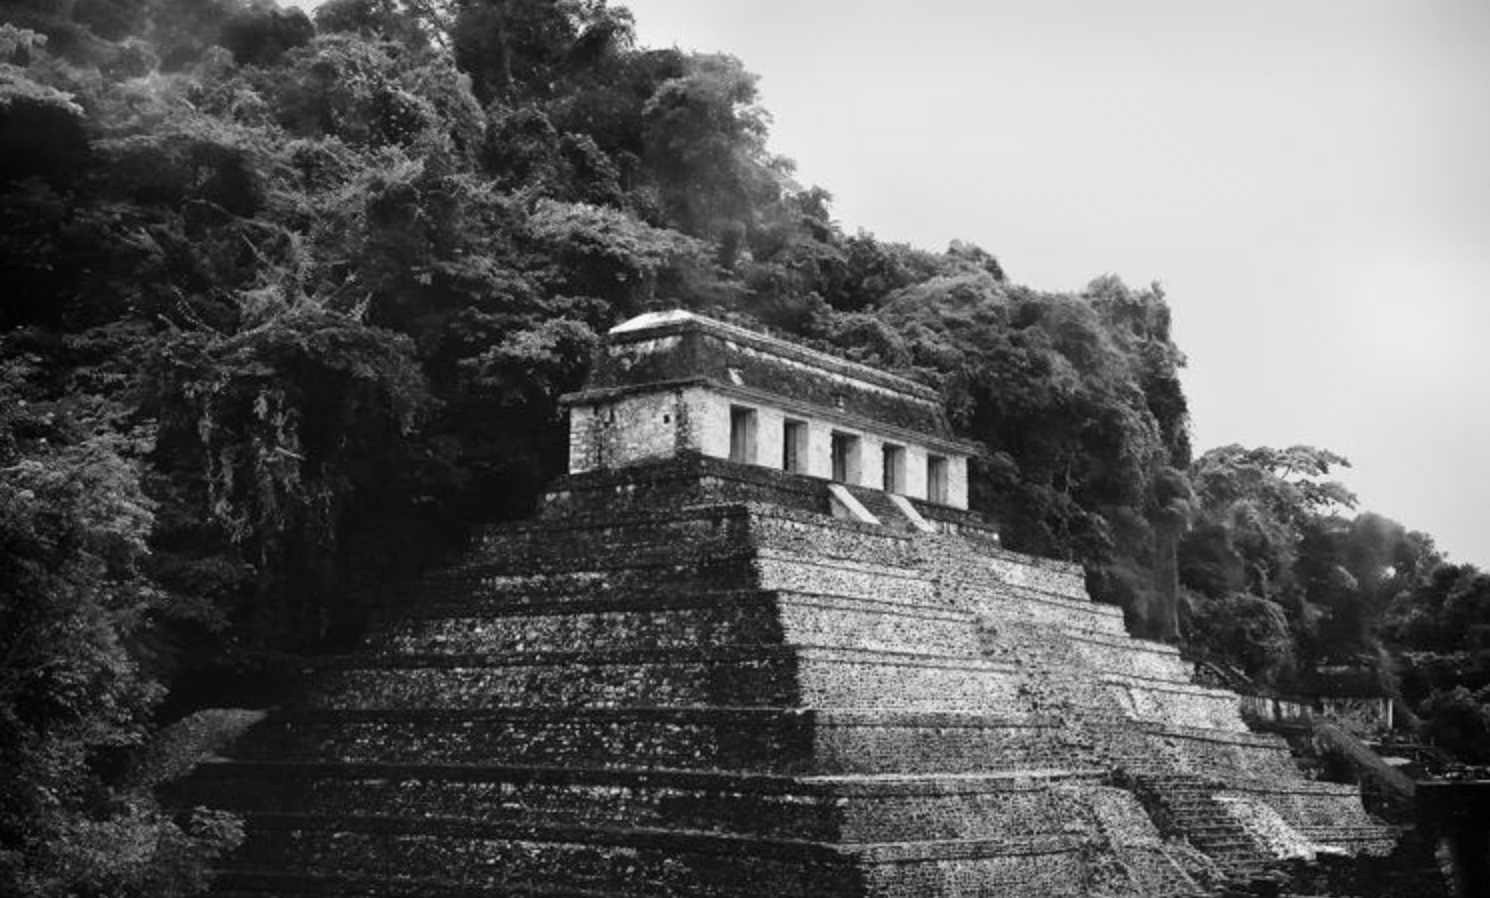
{"x":666,"y":686}
{"x":708,"y":422}
{"x":379,"y":857}
{"x":1225,"y":755}
{"x":1045,"y":867}
{"x":1137,"y":658}
{"x":687,"y":479}
{"x":748,"y":740}
{"x":718,"y":619}
{"x":625,"y":430}
{"x":940,"y":743}
{"x":1175,"y":704}
{"x":889,"y":625}
{"x":632,"y":679}
{"x":1307,"y":804}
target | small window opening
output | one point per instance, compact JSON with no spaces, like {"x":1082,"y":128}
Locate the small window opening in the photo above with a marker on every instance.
{"x":794,"y":447}
{"x":894,"y":481}
{"x":845,"y":457}
{"x":741,"y":434}
{"x":936,"y":479}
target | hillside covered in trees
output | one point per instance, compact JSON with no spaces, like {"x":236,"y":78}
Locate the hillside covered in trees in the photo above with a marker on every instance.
{"x":289,"y":303}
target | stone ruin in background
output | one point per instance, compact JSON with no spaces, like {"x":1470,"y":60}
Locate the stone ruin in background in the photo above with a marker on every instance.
{"x":755,"y":645}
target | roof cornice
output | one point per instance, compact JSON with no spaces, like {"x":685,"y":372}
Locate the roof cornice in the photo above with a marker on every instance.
{"x":654,"y":325}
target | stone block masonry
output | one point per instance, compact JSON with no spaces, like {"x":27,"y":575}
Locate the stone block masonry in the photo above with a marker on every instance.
{"x":744,"y":698}
{"x":686,"y":678}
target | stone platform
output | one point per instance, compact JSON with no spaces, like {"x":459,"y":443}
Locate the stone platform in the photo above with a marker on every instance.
{"x":689,"y":679}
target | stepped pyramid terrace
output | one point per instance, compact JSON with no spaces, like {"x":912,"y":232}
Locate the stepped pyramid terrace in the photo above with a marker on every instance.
{"x":754,"y":644}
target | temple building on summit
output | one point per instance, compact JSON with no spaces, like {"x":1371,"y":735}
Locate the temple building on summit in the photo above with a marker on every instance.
{"x":753,"y":644}
{"x":674,"y":382}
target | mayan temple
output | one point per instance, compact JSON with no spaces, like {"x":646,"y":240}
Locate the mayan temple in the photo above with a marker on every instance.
{"x":754,"y":644}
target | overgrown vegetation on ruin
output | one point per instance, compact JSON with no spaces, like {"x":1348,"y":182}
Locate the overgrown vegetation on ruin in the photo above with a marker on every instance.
{"x":288,"y":305}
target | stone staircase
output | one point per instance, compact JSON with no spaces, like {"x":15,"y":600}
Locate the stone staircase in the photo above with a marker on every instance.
{"x":880,"y":505}
{"x":734,"y":698}
{"x":1186,"y":806}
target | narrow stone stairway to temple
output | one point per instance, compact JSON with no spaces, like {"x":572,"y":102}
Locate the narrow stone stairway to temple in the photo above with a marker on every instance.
{"x":1187,"y":807}
{"x":883,"y":508}
{"x":1102,"y":688}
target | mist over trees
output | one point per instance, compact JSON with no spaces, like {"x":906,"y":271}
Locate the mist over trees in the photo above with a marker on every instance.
{"x":289,"y":303}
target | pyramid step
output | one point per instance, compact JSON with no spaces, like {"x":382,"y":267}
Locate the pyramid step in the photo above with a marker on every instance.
{"x":731,"y":677}
{"x":848,"y":810}
{"x":530,"y":863}
{"x":710,"y":619}
{"x":681,"y":481}
{"x":239,"y":883}
{"x":761,"y":740}
{"x":870,"y":576}
{"x":1104,"y":652}
{"x":635,"y":861}
{"x":736,"y":618}
{"x":690,"y":532}
{"x":1013,"y":604}
{"x":516,"y":796}
{"x":549,"y":554}
{"x":618,"y":577}
{"x":474,"y":589}
{"x":980,"y":565}
{"x":694,"y":532}
{"x":558,"y":679}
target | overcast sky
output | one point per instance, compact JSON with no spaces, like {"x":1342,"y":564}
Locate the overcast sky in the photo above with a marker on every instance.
{"x":1309,"y":180}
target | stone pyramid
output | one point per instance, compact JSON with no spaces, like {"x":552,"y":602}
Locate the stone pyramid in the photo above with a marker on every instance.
{"x":766,"y":676}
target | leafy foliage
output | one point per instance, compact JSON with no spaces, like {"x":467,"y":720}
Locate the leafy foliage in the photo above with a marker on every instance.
{"x":289,"y":308}
{"x":75,"y":692}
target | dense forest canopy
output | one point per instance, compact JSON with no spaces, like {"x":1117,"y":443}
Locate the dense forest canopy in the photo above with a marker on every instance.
{"x":289,"y":302}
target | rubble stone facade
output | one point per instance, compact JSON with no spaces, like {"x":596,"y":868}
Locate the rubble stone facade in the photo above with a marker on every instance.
{"x":685,"y":677}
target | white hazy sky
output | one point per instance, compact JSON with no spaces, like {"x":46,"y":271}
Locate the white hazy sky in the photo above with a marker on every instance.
{"x":1308,"y":179}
